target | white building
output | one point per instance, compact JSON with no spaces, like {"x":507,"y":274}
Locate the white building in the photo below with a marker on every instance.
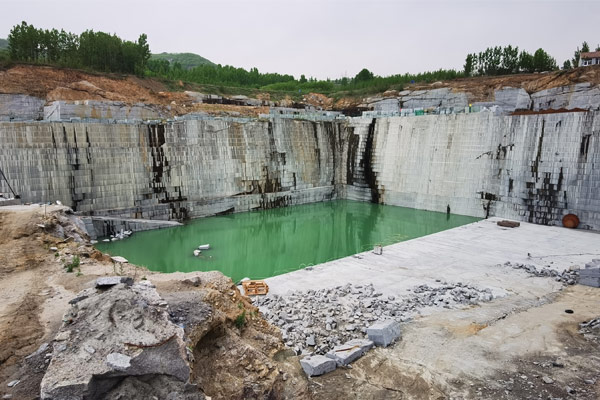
{"x":592,"y":58}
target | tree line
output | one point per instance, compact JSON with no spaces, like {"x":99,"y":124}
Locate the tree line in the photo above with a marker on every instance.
{"x":93,"y":50}
{"x":507,"y":60}
{"x":108,"y":53}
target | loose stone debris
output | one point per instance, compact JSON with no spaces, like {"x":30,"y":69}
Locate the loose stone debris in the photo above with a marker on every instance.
{"x":567,"y":277}
{"x":591,"y":329}
{"x":318,"y":321}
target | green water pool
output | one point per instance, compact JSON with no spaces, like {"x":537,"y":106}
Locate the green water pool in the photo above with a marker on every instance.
{"x":261,"y":244}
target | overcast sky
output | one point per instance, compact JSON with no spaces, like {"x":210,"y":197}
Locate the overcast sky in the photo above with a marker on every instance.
{"x":326,"y":38}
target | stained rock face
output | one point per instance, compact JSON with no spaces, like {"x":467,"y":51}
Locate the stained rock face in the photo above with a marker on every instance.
{"x":119,"y":336}
{"x":20,"y":107}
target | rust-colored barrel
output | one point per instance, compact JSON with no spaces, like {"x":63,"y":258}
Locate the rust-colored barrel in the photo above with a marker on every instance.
{"x":570,"y":221}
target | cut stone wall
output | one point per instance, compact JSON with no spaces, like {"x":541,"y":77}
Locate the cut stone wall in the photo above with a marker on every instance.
{"x":93,"y":109}
{"x":172,"y":171}
{"x":535,"y":168}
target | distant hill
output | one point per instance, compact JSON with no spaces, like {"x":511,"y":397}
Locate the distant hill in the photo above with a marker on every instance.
{"x":187,"y":60}
{"x":3,"y":44}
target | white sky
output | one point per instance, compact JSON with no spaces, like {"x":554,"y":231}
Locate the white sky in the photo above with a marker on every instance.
{"x":327,"y":38}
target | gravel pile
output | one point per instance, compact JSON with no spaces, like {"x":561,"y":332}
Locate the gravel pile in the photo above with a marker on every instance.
{"x":315,"y":321}
{"x":591,"y":329}
{"x":568,"y":277}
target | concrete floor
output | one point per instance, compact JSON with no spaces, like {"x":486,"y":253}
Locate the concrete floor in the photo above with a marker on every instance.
{"x":467,"y":254}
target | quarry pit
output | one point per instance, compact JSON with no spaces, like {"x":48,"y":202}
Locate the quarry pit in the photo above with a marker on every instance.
{"x":485,"y":311}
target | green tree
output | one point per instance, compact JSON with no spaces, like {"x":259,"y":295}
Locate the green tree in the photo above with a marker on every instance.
{"x":469,"y":63}
{"x":525,"y":62}
{"x":363,"y":76}
{"x":542,"y":61}
{"x":567,"y":65}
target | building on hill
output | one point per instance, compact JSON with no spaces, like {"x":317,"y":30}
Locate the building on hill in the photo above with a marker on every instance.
{"x":592,"y":58}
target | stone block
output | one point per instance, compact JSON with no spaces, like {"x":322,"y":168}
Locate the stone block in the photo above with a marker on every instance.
{"x":590,"y":281}
{"x":113,"y":280}
{"x":383,"y":333}
{"x":317,"y":365}
{"x":349,"y":351}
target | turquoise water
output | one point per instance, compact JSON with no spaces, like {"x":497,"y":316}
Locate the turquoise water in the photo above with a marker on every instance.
{"x":261,"y":244}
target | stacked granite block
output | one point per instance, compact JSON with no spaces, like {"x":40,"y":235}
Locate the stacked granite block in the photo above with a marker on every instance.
{"x":590,"y":275}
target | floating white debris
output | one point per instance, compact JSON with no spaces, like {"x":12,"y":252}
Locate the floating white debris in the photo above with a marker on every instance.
{"x":106,"y":240}
{"x":204,"y":246}
{"x":119,"y":259}
{"x":197,"y":253}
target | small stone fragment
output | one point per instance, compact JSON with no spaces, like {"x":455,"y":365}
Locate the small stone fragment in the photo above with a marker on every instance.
{"x":547,"y":380}
{"x":14,"y":383}
{"x":118,"y":361}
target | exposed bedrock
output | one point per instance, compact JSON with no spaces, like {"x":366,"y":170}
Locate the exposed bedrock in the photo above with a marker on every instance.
{"x":175,"y":170}
{"x":535,"y":168}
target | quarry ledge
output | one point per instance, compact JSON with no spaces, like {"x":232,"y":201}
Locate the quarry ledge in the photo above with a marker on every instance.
{"x":470,"y":253}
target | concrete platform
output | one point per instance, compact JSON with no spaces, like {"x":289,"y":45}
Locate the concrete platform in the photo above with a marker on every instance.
{"x":469,"y":254}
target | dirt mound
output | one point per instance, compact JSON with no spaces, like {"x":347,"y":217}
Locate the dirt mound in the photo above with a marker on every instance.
{"x":482,"y":87}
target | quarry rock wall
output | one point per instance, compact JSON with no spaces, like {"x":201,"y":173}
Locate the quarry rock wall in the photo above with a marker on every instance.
{"x":534,"y":168}
{"x":176,"y":170}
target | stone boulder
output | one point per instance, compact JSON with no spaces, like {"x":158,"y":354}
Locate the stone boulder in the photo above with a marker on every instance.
{"x":114,"y":337}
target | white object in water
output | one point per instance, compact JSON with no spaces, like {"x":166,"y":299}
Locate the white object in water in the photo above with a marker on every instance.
{"x":197,"y":253}
{"x":119,"y":259}
{"x":204,"y":246}
{"x":106,"y":240}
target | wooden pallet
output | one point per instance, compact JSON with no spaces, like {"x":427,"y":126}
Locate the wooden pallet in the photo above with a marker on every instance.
{"x":253,"y":288}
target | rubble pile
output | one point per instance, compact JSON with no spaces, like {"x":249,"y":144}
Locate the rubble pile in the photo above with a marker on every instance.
{"x":567,"y":277}
{"x":315,"y":321}
{"x":591,"y":329}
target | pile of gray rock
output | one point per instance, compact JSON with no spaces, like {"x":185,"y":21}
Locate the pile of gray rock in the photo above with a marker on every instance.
{"x":567,"y":277}
{"x":316,"y":321}
{"x":591,"y":329}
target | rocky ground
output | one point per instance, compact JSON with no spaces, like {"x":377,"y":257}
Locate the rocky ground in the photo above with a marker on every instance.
{"x":460,"y":340}
{"x":52,"y":317}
